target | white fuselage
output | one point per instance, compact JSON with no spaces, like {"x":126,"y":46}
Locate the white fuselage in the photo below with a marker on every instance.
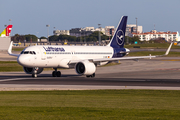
{"x":59,"y":56}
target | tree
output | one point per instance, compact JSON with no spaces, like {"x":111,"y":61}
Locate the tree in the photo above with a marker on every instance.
{"x":31,"y":38}
{"x":95,"y":36}
{"x":42,"y":37}
{"x":132,"y":39}
{"x":92,"y":37}
{"x":53,"y":38}
{"x":18,"y":38}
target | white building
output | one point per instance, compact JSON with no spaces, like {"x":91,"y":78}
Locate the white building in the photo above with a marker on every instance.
{"x":5,"y":41}
{"x":100,"y":29}
{"x":88,"y":29}
{"x":61,"y":32}
{"x":169,"y":36}
{"x":132,"y":28}
{"x":109,"y":30}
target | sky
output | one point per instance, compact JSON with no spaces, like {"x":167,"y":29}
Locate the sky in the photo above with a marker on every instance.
{"x":32,"y":16}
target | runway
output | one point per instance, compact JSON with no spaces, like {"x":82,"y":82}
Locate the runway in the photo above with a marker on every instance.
{"x":146,"y":74}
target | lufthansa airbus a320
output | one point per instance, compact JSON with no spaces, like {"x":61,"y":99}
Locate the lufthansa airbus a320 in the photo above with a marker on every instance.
{"x":84,"y":59}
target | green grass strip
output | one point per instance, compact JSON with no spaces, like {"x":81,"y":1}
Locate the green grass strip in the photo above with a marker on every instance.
{"x":10,"y":66}
{"x":90,"y":104}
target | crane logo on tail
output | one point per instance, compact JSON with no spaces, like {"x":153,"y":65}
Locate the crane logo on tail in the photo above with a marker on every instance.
{"x":120,"y":37}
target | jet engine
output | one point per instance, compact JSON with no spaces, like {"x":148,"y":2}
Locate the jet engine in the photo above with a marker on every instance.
{"x":30,"y":70}
{"x":85,"y":68}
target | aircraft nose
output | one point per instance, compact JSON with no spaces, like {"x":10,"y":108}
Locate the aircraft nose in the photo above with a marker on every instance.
{"x":24,"y":60}
{"x":21,"y":60}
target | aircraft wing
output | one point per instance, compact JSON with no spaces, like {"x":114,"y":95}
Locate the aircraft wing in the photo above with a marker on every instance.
{"x":10,"y":49}
{"x":111,"y":59}
{"x":122,"y":58}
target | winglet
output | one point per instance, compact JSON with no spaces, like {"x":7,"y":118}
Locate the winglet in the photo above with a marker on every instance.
{"x":10,"y":50}
{"x":167,"y":52}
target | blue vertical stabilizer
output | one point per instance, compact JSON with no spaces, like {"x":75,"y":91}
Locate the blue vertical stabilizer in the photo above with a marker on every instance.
{"x":117,"y":40}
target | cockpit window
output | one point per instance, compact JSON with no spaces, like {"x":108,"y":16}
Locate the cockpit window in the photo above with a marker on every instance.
{"x":22,"y":52}
{"x":28,"y":52}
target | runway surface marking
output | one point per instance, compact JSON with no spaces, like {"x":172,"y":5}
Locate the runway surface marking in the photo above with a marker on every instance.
{"x":24,"y":78}
{"x":12,"y":87}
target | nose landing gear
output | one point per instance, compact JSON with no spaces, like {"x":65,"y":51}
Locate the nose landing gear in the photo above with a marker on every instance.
{"x":34,"y":73}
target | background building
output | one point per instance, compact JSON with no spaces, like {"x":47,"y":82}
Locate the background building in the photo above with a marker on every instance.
{"x":88,"y":29}
{"x":168,"y":36}
{"x":5,"y":42}
{"x":61,"y":32}
{"x":132,"y":29}
{"x":78,"y":32}
{"x":109,"y":30}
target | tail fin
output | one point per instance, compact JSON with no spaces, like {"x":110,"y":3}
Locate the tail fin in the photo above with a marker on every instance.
{"x":117,"y":40}
{"x":6,"y":31}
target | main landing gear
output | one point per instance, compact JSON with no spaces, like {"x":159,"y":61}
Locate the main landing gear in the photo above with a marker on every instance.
{"x":56,"y":73}
{"x":93,"y":75}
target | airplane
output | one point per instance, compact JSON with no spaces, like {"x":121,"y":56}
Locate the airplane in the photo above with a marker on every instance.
{"x":84,"y":59}
{"x":6,"y":32}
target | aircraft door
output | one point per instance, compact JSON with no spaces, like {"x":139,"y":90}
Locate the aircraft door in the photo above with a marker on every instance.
{"x":43,"y":54}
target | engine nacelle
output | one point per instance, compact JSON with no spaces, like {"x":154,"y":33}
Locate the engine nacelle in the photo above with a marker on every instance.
{"x":30,"y":70}
{"x":85,"y":67}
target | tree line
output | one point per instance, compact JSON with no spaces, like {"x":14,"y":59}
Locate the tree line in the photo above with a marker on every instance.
{"x":90,"y":38}
{"x":24,"y":38}
{"x":94,"y":37}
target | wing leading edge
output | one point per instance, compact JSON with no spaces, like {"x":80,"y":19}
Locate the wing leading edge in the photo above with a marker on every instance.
{"x":122,"y":58}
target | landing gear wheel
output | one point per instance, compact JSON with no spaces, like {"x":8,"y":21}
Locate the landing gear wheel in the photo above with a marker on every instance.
{"x":54,"y":73}
{"x":88,"y":76}
{"x":93,"y":75}
{"x":34,"y":75}
{"x":58,"y":74}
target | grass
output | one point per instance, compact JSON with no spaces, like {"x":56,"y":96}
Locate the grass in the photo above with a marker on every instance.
{"x":90,"y":104}
{"x":12,"y":66}
{"x":18,"y":48}
{"x":9,"y":66}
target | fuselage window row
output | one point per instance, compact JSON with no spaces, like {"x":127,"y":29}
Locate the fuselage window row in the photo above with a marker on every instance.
{"x":58,"y":53}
